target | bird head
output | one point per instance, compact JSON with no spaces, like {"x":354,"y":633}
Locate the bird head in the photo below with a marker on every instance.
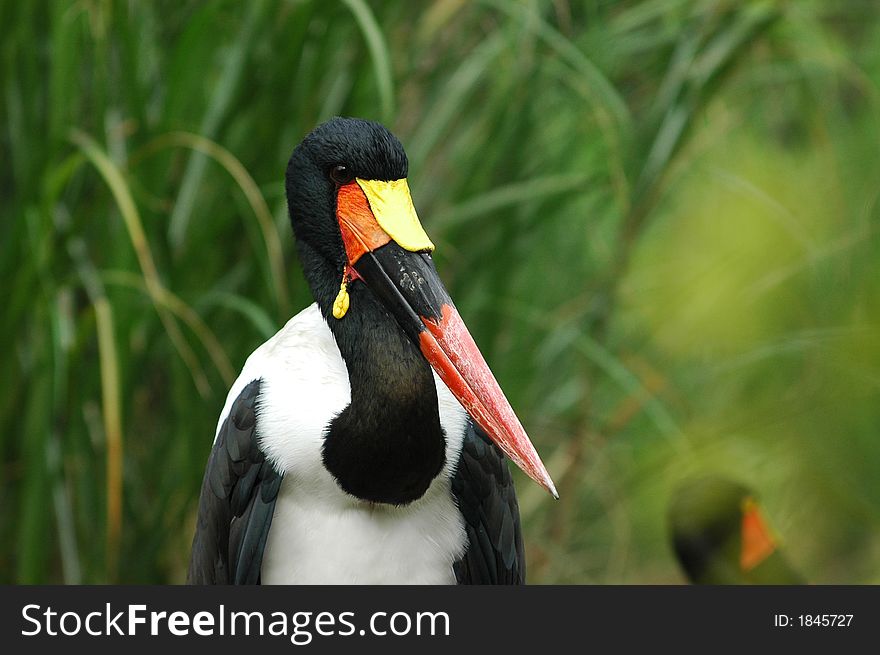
{"x":355,"y":224}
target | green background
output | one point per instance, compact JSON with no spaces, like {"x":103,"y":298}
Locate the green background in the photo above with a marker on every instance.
{"x":659,"y":220}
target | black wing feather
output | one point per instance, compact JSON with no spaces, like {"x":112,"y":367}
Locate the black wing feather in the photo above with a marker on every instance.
{"x":483,"y":489}
{"x":237,"y":501}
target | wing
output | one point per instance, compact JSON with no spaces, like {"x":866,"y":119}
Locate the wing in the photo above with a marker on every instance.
{"x":237,"y":501}
{"x":484,"y":491}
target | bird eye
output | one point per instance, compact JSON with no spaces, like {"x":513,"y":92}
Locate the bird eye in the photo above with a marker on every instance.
{"x":341,"y":175}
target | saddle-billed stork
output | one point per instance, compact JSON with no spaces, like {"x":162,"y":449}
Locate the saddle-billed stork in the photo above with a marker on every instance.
{"x":365,"y":442}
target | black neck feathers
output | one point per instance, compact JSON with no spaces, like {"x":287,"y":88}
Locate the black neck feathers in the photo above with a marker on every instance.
{"x":387,"y":445}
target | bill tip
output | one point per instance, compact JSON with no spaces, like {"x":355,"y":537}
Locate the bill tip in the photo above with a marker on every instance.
{"x":548,"y":483}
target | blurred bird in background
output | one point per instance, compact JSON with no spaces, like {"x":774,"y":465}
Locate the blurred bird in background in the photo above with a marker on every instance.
{"x":720,"y":535}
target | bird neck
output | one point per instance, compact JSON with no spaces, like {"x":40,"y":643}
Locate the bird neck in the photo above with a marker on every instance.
{"x":387,"y":445}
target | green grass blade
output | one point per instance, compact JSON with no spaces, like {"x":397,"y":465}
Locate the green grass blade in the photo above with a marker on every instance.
{"x":379,"y":55}
{"x":114,"y":179}
{"x":232,"y":71}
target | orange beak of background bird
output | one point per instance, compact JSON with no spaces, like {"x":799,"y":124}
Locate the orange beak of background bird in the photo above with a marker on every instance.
{"x":388,"y":250}
{"x":756,"y":539}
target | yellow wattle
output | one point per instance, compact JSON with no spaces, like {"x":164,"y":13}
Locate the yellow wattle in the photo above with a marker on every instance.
{"x":340,"y":305}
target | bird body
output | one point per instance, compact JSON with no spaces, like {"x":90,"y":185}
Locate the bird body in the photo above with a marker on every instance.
{"x":304,"y":385}
{"x":365,"y":442}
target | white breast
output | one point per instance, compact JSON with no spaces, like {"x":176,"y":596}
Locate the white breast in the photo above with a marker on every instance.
{"x":320,"y":534}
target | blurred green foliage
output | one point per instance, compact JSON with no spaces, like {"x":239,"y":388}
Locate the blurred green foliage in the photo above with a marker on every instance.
{"x":658,"y":218}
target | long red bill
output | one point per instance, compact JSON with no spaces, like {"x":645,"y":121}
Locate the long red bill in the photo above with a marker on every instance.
{"x":375,"y":219}
{"x":451,"y":351}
